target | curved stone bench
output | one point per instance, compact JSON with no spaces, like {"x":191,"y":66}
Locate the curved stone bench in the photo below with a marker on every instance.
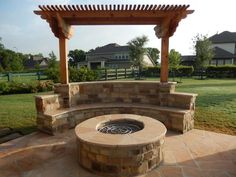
{"x":81,"y":101}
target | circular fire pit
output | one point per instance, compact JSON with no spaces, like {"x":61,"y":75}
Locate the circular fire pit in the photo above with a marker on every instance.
{"x":120,"y":144}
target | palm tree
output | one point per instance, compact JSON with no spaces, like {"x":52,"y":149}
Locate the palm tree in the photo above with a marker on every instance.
{"x":137,"y":51}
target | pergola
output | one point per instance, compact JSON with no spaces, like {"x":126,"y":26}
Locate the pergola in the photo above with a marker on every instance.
{"x":62,"y":17}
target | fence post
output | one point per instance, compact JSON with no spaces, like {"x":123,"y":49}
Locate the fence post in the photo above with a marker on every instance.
{"x":116,"y":74}
{"x":105,"y":73}
{"x":125,"y":73}
{"x":38,"y":74}
{"x":9,"y":77}
{"x":133,"y":73}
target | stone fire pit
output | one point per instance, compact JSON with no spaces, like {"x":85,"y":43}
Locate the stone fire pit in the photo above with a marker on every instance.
{"x":120,"y":144}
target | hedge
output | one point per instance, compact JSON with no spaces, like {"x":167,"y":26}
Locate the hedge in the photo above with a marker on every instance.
{"x":180,"y":71}
{"x":33,"y":87}
{"x":226,"y":71}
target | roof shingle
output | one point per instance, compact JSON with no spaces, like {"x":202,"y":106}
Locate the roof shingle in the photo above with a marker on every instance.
{"x":224,"y":37}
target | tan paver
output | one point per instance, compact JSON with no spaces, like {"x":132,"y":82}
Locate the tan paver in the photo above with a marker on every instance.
{"x":197,"y":153}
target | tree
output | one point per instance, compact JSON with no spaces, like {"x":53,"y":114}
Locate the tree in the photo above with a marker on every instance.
{"x":52,"y":70}
{"x":76,"y":56}
{"x":174,"y":61}
{"x":1,"y":45}
{"x":154,"y":54}
{"x":137,"y":51}
{"x":203,"y":50}
{"x":11,"y":60}
{"x":174,"y":58}
{"x":52,"y":62}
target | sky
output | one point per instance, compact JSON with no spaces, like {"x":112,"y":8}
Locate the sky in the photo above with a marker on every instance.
{"x":23,"y":31}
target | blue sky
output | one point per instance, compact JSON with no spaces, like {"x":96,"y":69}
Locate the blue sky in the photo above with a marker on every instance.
{"x":22,"y":30}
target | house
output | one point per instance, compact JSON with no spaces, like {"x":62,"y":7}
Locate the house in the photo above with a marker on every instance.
{"x":36,"y":62}
{"x":224,"y":47}
{"x":111,"y":56}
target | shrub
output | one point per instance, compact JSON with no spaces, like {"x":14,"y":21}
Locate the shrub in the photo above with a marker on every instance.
{"x":180,"y":71}
{"x":82,"y":74}
{"x":184,"y":70}
{"x":151,"y":71}
{"x":15,"y":87}
{"x":226,"y":71}
{"x":53,"y":74}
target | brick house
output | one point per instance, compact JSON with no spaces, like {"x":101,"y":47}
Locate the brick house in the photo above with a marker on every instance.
{"x":224,"y":46}
{"x":111,"y":56}
{"x":36,"y":61}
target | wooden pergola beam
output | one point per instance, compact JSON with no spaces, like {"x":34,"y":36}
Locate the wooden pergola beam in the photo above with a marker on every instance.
{"x":165,"y":17}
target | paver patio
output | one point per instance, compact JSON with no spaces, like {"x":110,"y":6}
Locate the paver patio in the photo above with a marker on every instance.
{"x":197,"y":153}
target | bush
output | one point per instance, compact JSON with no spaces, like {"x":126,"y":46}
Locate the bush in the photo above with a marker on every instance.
{"x":82,"y":74}
{"x":15,"y":87}
{"x":53,"y":74}
{"x":184,"y":70}
{"x":151,"y":71}
{"x":226,"y":71}
{"x":180,"y":71}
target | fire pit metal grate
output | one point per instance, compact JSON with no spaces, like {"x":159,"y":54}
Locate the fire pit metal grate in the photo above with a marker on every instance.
{"x":123,"y":126}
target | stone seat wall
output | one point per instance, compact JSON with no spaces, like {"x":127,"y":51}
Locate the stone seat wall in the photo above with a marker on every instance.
{"x":76,"y":102}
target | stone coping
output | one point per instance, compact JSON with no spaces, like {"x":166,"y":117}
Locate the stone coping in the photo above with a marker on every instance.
{"x":115,"y":81}
{"x":87,"y":132}
{"x":115,"y":105}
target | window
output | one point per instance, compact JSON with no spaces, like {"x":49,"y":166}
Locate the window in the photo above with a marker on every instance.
{"x":119,"y":57}
{"x":213,"y":62}
{"x":123,"y":57}
{"x":126,"y":56}
{"x":220,"y":62}
{"x":228,"y":62}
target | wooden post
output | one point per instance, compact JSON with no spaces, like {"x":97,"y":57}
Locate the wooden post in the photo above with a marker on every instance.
{"x":164,"y":59}
{"x":125,"y":73}
{"x":63,"y":60}
{"x":116,"y":74}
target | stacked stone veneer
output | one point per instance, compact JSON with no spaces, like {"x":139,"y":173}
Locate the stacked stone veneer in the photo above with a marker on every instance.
{"x":76,"y":102}
{"x":120,"y":154}
{"x":120,"y":161}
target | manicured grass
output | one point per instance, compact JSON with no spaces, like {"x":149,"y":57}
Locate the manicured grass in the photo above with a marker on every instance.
{"x":18,"y":112}
{"x":25,"y":79}
{"x":215,"y":106}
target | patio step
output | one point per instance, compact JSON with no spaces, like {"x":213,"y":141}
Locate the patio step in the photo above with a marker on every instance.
{"x":7,"y":134}
{"x":10,"y":137}
{"x":5,"y":131}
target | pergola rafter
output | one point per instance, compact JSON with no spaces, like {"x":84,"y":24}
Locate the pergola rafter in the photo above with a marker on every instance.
{"x":62,"y":17}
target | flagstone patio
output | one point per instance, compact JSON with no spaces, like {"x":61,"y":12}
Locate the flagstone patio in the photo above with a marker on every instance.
{"x":197,"y":153}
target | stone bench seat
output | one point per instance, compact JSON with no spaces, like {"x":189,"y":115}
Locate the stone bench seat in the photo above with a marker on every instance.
{"x":66,"y":118}
{"x":73,"y":103}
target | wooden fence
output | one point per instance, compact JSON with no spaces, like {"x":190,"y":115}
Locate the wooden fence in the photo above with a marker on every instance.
{"x":113,"y":74}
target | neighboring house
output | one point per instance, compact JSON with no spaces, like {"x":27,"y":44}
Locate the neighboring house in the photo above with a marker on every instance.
{"x":111,"y":56}
{"x":35,"y":62}
{"x":224,"y":46}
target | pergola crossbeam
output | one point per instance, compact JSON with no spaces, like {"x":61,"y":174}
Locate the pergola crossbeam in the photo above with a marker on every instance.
{"x":165,"y":18}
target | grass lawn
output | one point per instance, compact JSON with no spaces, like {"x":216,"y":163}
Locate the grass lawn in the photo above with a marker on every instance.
{"x":18,"y":112}
{"x":215,"y":106}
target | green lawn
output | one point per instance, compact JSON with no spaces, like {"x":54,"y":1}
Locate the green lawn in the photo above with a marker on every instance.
{"x":215,"y":106}
{"x":18,"y":112}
